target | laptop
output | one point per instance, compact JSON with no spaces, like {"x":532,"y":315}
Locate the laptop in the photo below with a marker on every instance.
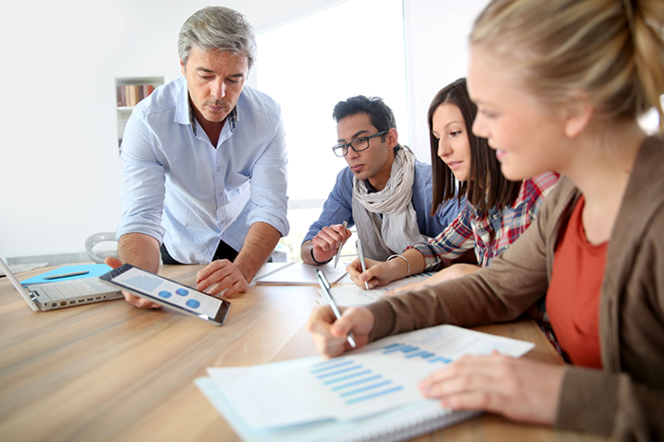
{"x":62,"y":294}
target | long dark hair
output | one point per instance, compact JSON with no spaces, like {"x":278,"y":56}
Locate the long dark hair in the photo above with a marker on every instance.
{"x":486,"y":186}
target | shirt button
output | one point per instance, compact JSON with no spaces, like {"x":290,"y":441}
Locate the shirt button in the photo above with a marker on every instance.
{"x":218,"y":169}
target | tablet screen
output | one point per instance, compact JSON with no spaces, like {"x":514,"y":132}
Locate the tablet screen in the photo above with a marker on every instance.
{"x":168,"y":291}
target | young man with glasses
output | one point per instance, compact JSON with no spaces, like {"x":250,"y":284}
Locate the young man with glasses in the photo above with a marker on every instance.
{"x":385,"y":191}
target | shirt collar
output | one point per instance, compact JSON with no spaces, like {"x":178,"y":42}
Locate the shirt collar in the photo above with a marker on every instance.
{"x":231,"y":118}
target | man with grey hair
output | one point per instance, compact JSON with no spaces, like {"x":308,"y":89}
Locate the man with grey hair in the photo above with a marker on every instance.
{"x":204,"y":163}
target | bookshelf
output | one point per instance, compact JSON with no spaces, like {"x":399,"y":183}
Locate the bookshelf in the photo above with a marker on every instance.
{"x":129,"y":91}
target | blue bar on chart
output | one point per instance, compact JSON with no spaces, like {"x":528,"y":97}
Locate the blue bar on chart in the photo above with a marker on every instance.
{"x":399,"y":347}
{"x":442,"y":359}
{"x":375,"y":395}
{"x":340,"y":371}
{"x":353,"y":382}
{"x":346,"y":377}
{"x":421,"y":354}
{"x":358,"y":382}
{"x":411,"y":351}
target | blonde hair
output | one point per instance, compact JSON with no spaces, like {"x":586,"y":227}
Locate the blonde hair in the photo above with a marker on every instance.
{"x":611,"y":49}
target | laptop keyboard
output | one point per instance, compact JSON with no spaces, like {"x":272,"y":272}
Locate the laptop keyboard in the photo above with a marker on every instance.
{"x":66,"y":289}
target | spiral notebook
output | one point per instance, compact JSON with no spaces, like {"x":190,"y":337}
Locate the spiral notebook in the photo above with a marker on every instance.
{"x":366,"y":394}
{"x":404,"y":423}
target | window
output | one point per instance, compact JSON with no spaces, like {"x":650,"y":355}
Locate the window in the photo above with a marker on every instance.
{"x":308,"y":66}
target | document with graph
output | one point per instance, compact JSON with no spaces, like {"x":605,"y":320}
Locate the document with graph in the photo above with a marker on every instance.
{"x":374,"y":379}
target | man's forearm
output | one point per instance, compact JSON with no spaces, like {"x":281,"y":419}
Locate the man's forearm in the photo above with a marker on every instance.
{"x":261,"y":240}
{"x":140,"y":250}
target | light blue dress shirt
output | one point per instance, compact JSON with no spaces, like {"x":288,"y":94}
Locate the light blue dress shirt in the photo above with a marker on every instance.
{"x":179,"y":189}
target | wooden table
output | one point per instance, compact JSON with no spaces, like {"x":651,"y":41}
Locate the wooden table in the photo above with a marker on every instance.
{"x":110,"y":371}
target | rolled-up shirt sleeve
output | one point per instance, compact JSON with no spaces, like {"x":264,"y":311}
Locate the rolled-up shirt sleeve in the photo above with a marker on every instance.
{"x":269,"y":202}
{"x":142,"y":181}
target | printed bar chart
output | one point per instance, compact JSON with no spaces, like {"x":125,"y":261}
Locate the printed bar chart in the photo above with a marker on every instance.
{"x":408,"y":352}
{"x":354,"y":382}
{"x":381,"y":376}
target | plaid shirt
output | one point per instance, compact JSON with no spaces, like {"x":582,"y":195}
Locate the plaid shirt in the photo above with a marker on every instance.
{"x":471,"y":229}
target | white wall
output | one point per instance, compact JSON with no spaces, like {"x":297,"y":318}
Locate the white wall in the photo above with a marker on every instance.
{"x":59,"y":165}
{"x":437,"y":54}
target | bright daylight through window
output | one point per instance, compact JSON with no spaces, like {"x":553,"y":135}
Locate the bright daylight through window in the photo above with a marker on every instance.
{"x":308,"y":66}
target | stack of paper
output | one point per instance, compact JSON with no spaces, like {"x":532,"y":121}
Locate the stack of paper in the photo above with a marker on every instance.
{"x":314,"y":398}
{"x":354,"y":295}
{"x":297,"y":273}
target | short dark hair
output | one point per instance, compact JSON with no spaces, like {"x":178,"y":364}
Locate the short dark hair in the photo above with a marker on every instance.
{"x":486,"y":186}
{"x":379,"y":113}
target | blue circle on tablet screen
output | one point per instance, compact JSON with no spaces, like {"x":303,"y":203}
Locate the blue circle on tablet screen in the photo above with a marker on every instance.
{"x":192,"y":303}
{"x":182,"y":292}
{"x":164,"y":294}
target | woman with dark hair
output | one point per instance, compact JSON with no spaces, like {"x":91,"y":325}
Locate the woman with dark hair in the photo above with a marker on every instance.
{"x":497,"y":210}
{"x":560,"y":85}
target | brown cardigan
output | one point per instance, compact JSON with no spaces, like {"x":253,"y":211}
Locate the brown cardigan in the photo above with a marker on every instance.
{"x":625,"y":400}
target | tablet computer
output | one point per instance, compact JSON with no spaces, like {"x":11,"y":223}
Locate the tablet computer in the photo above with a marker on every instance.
{"x":167,"y":293}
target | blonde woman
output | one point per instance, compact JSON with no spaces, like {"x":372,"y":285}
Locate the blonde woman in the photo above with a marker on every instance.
{"x":559,"y":86}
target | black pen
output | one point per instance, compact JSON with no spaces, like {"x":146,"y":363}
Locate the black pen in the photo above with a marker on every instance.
{"x":66,"y":275}
{"x":325,"y":285}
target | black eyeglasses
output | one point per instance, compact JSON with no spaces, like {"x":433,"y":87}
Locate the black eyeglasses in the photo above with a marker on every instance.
{"x":358,"y":145}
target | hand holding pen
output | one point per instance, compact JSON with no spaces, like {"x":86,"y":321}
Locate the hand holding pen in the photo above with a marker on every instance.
{"x":336,"y":258}
{"x":332,"y":331}
{"x":325,"y":286}
{"x":377,"y":273}
{"x":328,"y":242}
{"x":360,"y":254}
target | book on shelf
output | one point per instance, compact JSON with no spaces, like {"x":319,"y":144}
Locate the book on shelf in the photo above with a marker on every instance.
{"x":129,"y":95}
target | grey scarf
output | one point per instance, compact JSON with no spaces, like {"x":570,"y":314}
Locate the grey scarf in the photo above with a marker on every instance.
{"x":398,"y":229}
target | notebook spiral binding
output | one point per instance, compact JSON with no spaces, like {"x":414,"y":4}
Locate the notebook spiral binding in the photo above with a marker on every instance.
{"x":404,"y":430}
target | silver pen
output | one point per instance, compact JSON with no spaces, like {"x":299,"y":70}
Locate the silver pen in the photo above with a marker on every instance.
{"x":336,"y":258}
{"x":325,"y":285}
{"x":360,"y":253}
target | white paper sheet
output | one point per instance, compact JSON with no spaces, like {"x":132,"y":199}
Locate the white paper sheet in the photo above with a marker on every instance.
{"x":354,"y":295}
{"x":376,"y":378}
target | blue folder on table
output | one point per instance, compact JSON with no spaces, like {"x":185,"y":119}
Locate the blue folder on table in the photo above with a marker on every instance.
{"x":94,"y":270}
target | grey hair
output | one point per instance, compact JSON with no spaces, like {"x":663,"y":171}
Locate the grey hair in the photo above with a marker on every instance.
{"x":217,"y":27}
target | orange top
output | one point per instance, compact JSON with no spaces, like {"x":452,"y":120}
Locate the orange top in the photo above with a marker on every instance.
{"x":572,"y":300}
